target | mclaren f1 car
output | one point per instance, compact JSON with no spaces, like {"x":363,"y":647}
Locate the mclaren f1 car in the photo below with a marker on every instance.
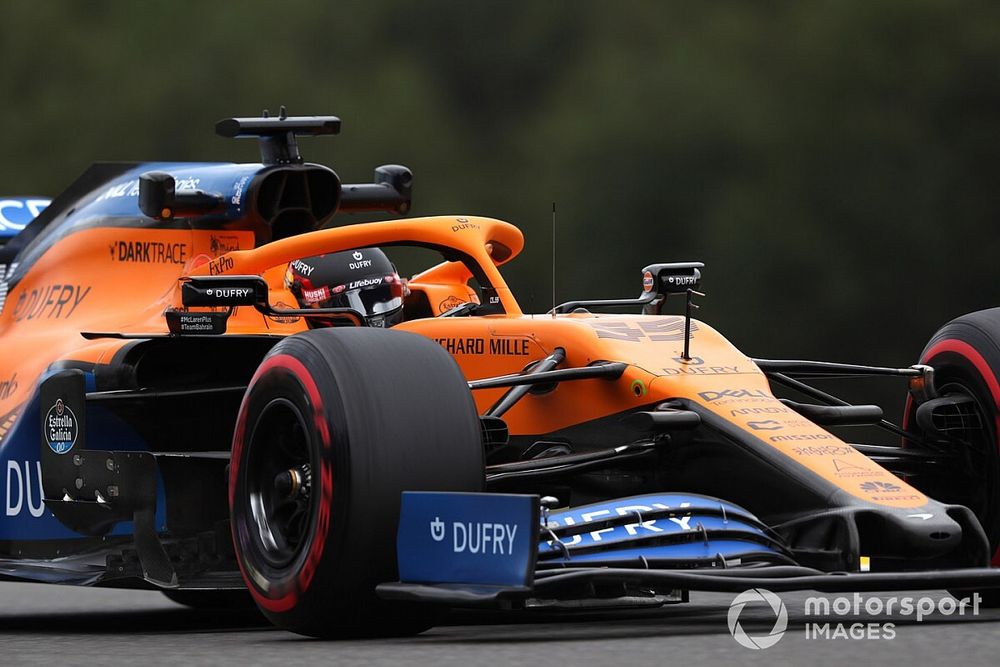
{"x":172,"y":418}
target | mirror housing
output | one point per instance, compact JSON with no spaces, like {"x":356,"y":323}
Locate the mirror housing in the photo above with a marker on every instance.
{"x":391,"y":191}
{"x":159,"y":198}
{"x":231,"y":292}
{"x":671,"y":278}
{"x":224,"y":291}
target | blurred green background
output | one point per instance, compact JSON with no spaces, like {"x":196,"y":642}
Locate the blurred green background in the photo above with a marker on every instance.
{"x":833,"y":163}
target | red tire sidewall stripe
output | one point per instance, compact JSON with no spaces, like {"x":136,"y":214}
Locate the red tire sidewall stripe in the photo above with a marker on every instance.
{"x":972,"y":355}
{"x":295,"y":367}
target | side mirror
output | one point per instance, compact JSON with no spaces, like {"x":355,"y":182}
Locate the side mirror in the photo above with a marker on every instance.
{"x":658,"y":280}
{"x":391,"y":191}
{"x":673,"y":278}
{"x":159,"y":198}
{"x":232,"y":292}
{"x":223,"y":291}
{"x":398,"y":177}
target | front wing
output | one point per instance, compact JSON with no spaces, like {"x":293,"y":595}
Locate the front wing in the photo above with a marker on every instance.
{"x":506,"y":551}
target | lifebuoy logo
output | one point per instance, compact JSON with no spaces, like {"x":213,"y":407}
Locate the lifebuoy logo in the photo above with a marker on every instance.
{"x":365,"y":282}
{"x":772,"y":604}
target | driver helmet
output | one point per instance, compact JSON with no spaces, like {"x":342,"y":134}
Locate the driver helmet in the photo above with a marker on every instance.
{"x":362,"y":279}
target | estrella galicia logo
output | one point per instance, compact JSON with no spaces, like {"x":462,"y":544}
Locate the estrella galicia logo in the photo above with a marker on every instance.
{"x":758,"y":596}
{"x":60,"y":428}
{"x":875,"y":487}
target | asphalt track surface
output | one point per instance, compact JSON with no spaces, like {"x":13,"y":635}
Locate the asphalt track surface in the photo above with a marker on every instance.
{"x":51,"y":625}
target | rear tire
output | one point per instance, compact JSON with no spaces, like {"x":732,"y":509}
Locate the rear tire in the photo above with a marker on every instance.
{"x":361,"y":415}
{"x":965,"y":355}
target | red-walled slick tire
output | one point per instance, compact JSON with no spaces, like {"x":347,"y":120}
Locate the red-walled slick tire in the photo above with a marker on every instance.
{"x":965,"y":355}
{"x":335,"y":424}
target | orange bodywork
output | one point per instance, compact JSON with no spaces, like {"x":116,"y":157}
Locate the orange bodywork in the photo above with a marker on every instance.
{"x":81,"y":285}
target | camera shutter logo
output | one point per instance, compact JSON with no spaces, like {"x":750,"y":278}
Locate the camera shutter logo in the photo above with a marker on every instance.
{"x":772,"y":601}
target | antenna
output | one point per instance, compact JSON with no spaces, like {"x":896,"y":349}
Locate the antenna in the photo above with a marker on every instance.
{"x":553,"y":260}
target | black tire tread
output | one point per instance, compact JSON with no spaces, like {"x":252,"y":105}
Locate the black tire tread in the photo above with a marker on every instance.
{"x":402,"y":404}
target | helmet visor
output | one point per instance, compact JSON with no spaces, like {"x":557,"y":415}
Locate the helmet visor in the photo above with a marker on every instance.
{"x":369,"y":296}
{"x":378,"y":300}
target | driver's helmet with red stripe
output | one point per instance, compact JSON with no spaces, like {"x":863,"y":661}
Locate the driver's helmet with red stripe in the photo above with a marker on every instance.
{"x":363,"y":279}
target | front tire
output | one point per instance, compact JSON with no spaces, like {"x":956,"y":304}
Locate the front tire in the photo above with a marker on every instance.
{"x":335,"y":424}
{"x":965,"y":356}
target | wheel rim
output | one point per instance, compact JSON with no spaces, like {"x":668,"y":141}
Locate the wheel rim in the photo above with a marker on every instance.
{"x":278,"y":483}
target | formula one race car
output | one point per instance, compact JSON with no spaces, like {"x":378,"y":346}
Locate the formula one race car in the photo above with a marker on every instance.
{"x":173,"y":415}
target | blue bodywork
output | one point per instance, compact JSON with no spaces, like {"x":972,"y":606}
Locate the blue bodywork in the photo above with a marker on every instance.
{"x":25,"y":516}
{"x":119,"y":198}
{"x":17,"y":212}
{"x":435,"y":543}
{"x":467,"y":537}
{"x":689,"y":531}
